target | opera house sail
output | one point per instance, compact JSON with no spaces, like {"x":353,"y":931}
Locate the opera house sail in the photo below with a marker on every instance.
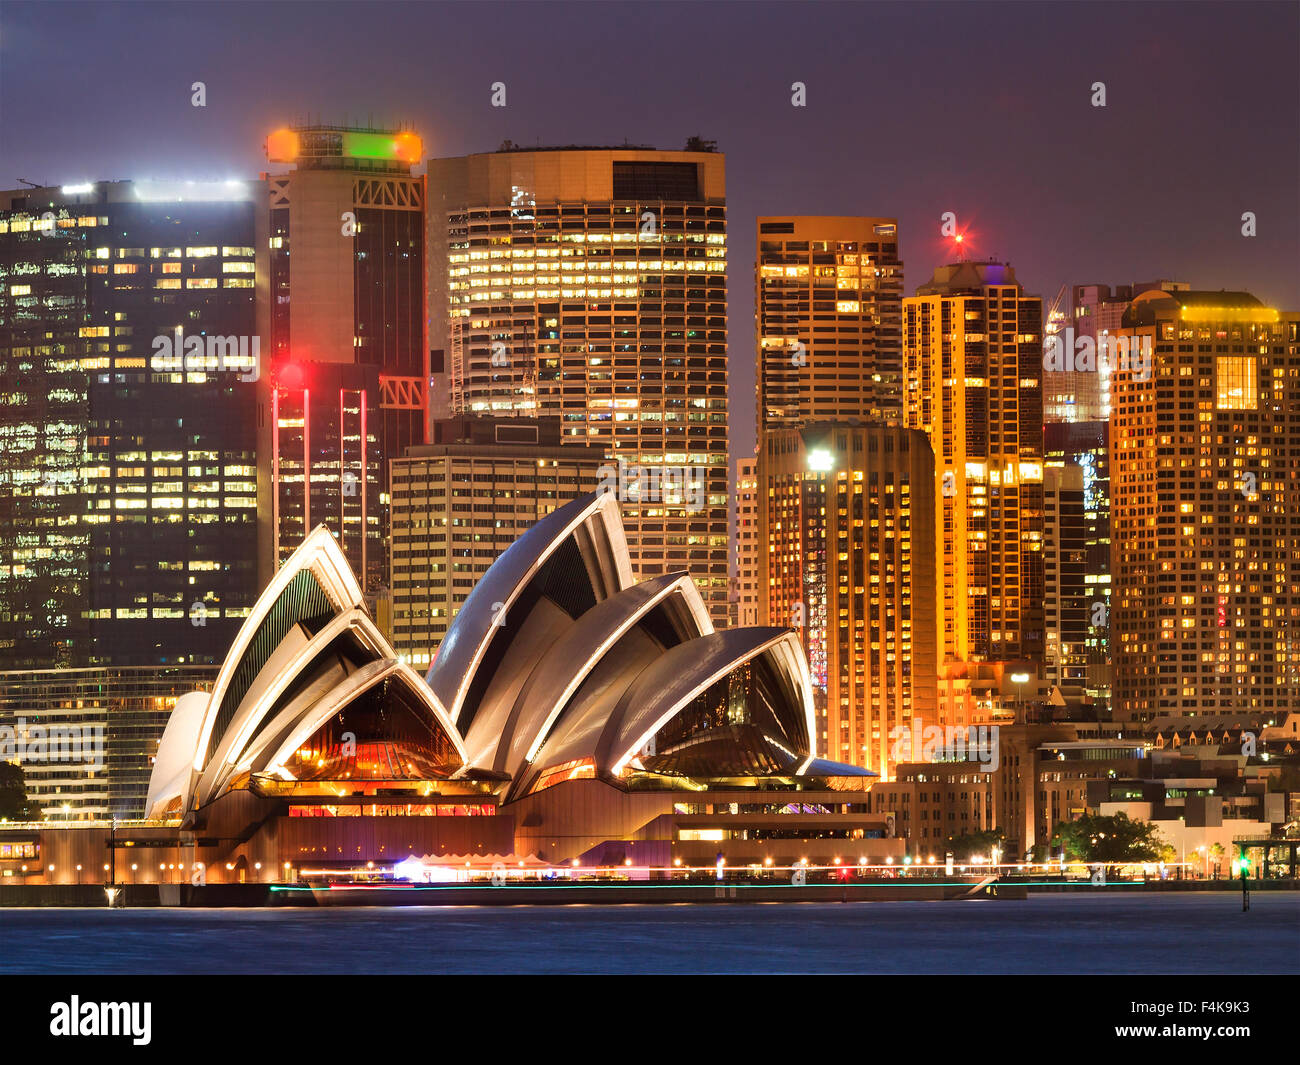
{"x":569,"y":708}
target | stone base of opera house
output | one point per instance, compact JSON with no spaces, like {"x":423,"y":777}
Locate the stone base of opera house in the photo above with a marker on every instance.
{"x":250,"y":838}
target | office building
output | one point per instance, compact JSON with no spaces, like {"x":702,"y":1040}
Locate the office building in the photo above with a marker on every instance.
{"x":1205,"y":427}
{"x":589,"y":284}
{"x":342,"y":308}
{"x":86,"y":738}
{"x":459,"y":502}
{"x":1065,"y":589}
{"x":846,"y":557}
{"x":1085,"y":445}
{"x":127,"y":473}
{"x":829,"y":295}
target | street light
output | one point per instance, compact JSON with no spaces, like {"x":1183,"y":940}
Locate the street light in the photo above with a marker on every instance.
{"x":1019,"y":680}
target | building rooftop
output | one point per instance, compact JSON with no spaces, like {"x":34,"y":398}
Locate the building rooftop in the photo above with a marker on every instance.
{"x":969,"y":277}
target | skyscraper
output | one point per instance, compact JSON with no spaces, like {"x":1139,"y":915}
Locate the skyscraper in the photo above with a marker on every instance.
{"x":848,"y":560}
{"x":1082,"y":392}
{"x":747,"y":542}
{"x":1086,"y":446}
{"x":972,"y":371}
{"x":1065,"y":589}
{"x":128,"y":507}
{"x":342,"y":308}
{"x":589,"y":284}
{"x":829,"y":310}
{"x":1205,"y":432}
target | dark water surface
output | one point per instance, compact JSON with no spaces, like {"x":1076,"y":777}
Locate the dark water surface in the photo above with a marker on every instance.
{"x":1078,"y":933}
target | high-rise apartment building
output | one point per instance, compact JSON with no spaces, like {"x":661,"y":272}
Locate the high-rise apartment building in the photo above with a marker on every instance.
{"x":1205,"y":438}
{"x":1065,"y":588}
{"x":748,"y":533}
{"x":590,"y":285}
{"x":1086,"y":446}
{"x":128,"y":352}
{"x":847,"y":559}
{"x":972,"y":371}
{"x":342,"y":269}
{"x":460,"y":501}
{"x":828,"y":308}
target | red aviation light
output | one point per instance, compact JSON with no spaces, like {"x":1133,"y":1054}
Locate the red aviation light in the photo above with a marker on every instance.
{"x":291,"y":376}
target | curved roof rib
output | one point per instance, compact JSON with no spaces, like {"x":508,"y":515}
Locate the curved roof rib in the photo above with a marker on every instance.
{"x":173,"y":763}
{"x":593,"y":522}
{"x":340,"y":697}
{"x":314,"y":582}
{"x":612,"y":735}
{"x":285,"y":666}
{"x":661,"y":691}
{"x":505,"y":736}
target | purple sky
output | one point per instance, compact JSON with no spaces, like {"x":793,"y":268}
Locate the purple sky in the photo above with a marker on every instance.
{"x":914,"y":109}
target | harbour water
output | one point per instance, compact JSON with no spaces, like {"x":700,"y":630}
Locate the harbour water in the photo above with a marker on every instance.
{"x":1052,"y":933}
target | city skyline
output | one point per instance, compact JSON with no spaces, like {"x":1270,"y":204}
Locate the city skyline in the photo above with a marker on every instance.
{"x":543,"y":486}
{"x":1037,"y":170}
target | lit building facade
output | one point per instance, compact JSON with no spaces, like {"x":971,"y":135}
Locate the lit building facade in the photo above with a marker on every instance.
{"x":1082,"y":393}
{"x":591,"y":285}
{"x":347,"y":387}
{"x":829,"y":297}
{"x":1086,"y":446}
{"x":746,"y":543}
{"x":846,"y":557}
{"x":128,"y":522}
{"x":1065,"y":588}
{"x":86,"y":738}
{"x":459,"y":502}
{"x":972,"y":368}
{"x":1040,"y":776}
{"x":1205,"y":608}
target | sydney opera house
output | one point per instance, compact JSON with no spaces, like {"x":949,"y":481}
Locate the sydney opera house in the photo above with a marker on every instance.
{"x":572,"y":715}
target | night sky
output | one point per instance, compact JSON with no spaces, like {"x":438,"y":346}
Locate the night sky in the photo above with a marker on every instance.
{"x":913,"y":109}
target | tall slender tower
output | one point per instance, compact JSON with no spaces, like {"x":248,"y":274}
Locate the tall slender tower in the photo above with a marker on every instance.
{"x":1065,"y":588}
{"x":747,"y":543}
{"x":972,"y":372}
{"x":1085,"y":446}
{"x":1205,"y":430}
{"x":590,"y":284}
{"x":341,"y":275}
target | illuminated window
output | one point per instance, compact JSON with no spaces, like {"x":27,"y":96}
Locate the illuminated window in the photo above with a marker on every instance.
{"x":1236,"y":387}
